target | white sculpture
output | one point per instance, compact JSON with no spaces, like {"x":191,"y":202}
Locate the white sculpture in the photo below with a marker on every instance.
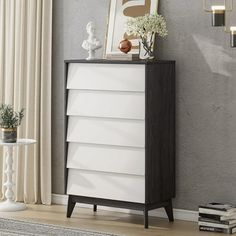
{"x":91,"y":44}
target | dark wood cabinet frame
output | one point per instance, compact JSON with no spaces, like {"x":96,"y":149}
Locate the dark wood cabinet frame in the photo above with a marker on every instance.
{"x":159,"y":141}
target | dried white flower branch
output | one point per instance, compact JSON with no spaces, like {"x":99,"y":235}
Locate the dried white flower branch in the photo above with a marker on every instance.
{"x":145,"y":27}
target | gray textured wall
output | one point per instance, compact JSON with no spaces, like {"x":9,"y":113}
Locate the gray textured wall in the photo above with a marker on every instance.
{"x":69,"y":21}
{"x":205,"y":94}
{"x":58,"y":101}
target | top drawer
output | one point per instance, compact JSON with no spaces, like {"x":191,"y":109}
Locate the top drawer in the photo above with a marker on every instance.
{"x":117,"y":77}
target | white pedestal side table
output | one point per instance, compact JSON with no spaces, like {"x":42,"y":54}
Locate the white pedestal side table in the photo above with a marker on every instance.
{"x":9,"y":204}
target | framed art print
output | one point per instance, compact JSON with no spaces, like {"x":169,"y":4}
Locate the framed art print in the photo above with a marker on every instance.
{"x":120,"y":11}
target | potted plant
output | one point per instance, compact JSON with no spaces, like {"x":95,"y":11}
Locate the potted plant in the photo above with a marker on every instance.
{"x":9,"y":121}
{"x":146,"y":28}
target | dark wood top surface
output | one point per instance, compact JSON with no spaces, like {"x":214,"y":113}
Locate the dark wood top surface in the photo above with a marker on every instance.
{"x":105,"y":61}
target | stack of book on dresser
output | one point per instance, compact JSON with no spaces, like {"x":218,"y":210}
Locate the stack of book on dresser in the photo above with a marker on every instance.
{"x":217,"y":217}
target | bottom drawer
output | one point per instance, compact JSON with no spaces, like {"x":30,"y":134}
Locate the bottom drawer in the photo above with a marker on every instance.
{"x":130,"y":188}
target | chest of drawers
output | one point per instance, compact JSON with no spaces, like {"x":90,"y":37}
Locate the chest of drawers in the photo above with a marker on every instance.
{"x":121,"y":134}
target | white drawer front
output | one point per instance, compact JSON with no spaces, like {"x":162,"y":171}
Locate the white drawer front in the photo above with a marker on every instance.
{"x":119,"y":77}
{"x":106,"y":185}
{"x":106,"y":104}
{"x":105,"y":158}
{"x":106,"y":131}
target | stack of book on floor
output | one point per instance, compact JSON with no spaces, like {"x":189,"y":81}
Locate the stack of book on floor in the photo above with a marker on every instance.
{"x":217,"y":217}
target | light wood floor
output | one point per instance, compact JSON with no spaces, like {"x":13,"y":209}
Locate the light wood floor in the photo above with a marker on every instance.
{"x":106,"y":221}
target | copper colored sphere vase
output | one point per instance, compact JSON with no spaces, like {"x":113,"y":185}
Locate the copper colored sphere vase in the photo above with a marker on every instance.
{"x":125,"y":46}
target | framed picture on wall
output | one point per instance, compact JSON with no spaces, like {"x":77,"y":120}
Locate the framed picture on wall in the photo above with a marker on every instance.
{"x":120,"y":11}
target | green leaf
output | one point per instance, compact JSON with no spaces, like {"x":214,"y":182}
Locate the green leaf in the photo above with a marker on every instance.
{"x":10,"y":118}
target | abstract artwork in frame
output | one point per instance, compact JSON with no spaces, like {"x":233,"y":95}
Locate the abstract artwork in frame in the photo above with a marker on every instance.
{"x":120,"y":11}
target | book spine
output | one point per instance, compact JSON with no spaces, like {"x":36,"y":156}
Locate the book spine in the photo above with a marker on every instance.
{"x":223,"y":222}
{"x":214,"y":229}
{"x":213,"y":208}
{"x":232,"y":217}
{"x":214,"y":212}
{"x":216,"y":225}
{"x":208,"y":216}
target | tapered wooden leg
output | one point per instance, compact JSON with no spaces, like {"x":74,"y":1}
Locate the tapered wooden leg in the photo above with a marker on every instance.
{"x":169,"y":211}
{"x":70,"y":207}
{"x":94,"y":208}
{"x":146,"y":219}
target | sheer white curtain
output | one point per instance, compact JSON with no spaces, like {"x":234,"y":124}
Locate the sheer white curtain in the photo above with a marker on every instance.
{"x":25,"y":81}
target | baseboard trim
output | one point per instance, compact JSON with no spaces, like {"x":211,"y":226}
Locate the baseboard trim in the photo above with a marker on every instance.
{"x":179,"y":214}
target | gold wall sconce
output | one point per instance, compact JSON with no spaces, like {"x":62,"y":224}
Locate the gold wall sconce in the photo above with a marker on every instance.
{"x":233,"y":36}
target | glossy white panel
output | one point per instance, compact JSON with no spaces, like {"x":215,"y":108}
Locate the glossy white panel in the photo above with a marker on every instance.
{"x":106,"y":158}
{"x":106,"y":104}
{"x":121,"y":77}
{"x":106,"y":131}
{"x":106,"y":185}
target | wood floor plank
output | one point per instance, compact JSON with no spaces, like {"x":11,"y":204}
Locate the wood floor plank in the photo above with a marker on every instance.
{"x":106,"y":221}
